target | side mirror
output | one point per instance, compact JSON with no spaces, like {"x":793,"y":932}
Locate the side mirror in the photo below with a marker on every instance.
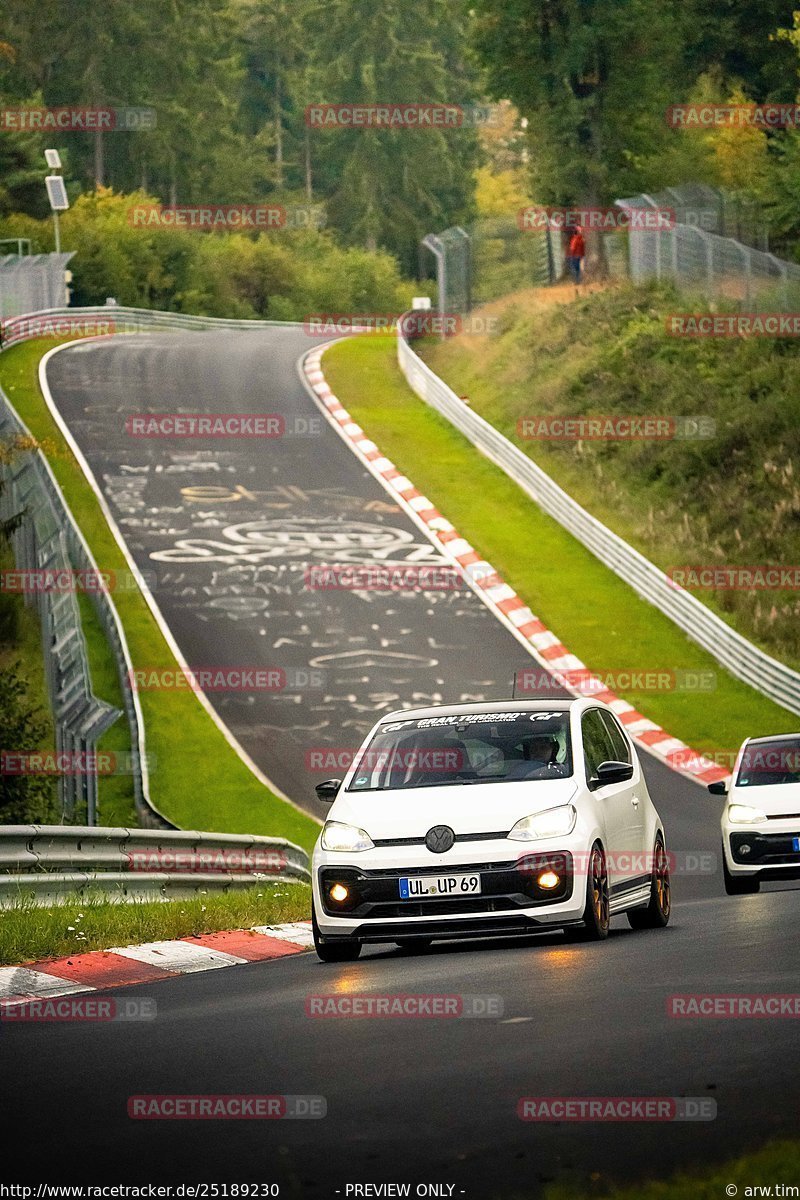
{"x":326,"y":792}
{"x":613,"y":772}
{"x":718,"y":788}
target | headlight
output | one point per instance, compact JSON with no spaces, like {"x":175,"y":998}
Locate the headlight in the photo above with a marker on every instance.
{"x":338,"y":836}
{"x":553,"y":822}
{"x":745,"y":814}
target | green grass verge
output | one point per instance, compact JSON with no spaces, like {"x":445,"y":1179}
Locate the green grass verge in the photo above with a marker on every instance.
{"x":732,"y":498}
{"x":94,"y":922}
{"x":21,"y":646}
{"x":598,"y":617}
{"x":777,"y":1163}
{"x":197,"y":780}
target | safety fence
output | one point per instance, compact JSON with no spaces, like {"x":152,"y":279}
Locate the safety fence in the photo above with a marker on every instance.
{"x":491,"y":258}
{"x":48,"y":545}
{"x":698,"y":254}
{"x":743,"y":659}
{"x":109,"y":319}
{"x":29,"y":282}
{"x":48,"y":864}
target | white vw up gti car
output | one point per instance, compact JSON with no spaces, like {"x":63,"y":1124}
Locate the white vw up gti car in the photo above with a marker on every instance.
{"x":761,"y":821}
{"x":488,"y":819}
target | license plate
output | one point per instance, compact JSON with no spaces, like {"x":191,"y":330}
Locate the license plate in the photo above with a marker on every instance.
{"x":419,"y":886}
{"x":796,"y":845}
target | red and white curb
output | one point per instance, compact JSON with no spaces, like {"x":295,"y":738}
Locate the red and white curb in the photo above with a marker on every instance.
{"x":541,"y":642}
{"x":150,"y":962}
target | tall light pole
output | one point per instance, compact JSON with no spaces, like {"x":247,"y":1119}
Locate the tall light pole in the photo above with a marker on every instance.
{"x":56,"y":192}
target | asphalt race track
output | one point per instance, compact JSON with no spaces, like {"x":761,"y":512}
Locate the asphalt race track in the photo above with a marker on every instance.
{"x":229,"y":528}
{"x":408,"y":1100}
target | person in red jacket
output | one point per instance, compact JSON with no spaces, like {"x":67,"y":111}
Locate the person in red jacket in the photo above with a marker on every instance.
{"x":576,"y":253}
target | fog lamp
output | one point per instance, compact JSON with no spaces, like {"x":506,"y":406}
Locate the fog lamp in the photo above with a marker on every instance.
{"x":548,"y":880}
{"x":339,"y":893}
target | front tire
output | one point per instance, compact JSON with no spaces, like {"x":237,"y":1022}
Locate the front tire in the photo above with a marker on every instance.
{"x":657,"y":912}
{"x":341,"y":950}
{"x":596,"y":914}
{"x":739,"y":885}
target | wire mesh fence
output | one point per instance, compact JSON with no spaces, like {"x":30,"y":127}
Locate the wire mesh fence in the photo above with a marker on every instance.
{"x":491,"y":258}
{"x":699,"y":255}
{"x":31,"y":282}
{"x":715,"y":242}
{"x":50,"y":553}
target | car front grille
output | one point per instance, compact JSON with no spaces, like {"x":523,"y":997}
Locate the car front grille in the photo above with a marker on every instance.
{"x":764,"y":849}
{"x":374,"y":895}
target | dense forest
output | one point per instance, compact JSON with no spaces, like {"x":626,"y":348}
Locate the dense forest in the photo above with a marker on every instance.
{"x":229,"y":84}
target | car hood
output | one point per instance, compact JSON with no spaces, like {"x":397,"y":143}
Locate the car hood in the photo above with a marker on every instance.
{"x":775,"y":799}
{"x":472,"y":808}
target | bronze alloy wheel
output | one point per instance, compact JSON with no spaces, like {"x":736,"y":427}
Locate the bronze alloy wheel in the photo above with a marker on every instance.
{"x":599,"y":889}
{"x":661,"y":882}
{"x":655,"y":914}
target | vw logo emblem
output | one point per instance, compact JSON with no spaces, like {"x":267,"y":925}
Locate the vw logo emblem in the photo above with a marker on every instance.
{"x":439,"y":839}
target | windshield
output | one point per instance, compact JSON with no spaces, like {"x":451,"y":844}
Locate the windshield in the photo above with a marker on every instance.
{"x":499,"y":747}
{"x":765,"y":764}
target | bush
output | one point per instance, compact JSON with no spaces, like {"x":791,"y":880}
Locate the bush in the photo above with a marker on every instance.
{"x":283,"y":275}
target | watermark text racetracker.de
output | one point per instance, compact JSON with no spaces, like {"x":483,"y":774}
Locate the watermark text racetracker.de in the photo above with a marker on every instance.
{"x":383,"y":577}
{"x":403,"y":1005}
{"x":724,"y":1006}
{"x":410,"y":115}
{"x":534,"y":218}
{"x":19,"y":329}
{"x":73,"y":762}
{"x":79,"y":1008}
{"x":58,"y":580}
{"x":222,"y":425}
{"x":227,"y":679}
{"x":72,"y":119}
{"x":617,"y":1108}
{"x":613,"y":428}
{"x":535,"y":682}
{"x":226,"y":860}
{"x":242,"y":218}
{"x":415,"y":324}
{"x":742,"y":116}
{"x":240,"y":1107}
{"x":733,"y":325}
{"x":758,"y":577}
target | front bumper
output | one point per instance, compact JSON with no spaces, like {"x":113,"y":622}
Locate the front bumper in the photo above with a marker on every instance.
{"x":769,"y":850}
{"x":511,"y":900}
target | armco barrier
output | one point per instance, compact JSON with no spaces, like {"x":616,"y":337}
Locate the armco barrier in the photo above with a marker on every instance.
{"x":49,"y":539}
{"x":114,"y":319}
{"x":744,"y":660}
{"x":45,"y":864}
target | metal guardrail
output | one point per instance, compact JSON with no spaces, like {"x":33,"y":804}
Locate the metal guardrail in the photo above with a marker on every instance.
{"x":734,"y":652}
{"x":45,"y":864}
{"x":48,"y":540}
{"x":116,"y":318}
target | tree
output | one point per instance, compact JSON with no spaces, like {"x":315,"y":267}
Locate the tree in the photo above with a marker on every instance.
{"x":390,"y":186}
{"x":735,"y":38}
{"x":276,"y":55}
{"x":593,"y":77}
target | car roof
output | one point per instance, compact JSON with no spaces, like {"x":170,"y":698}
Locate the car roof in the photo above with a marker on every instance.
{"x":490,"y":706}
{"x":771,"y":738}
